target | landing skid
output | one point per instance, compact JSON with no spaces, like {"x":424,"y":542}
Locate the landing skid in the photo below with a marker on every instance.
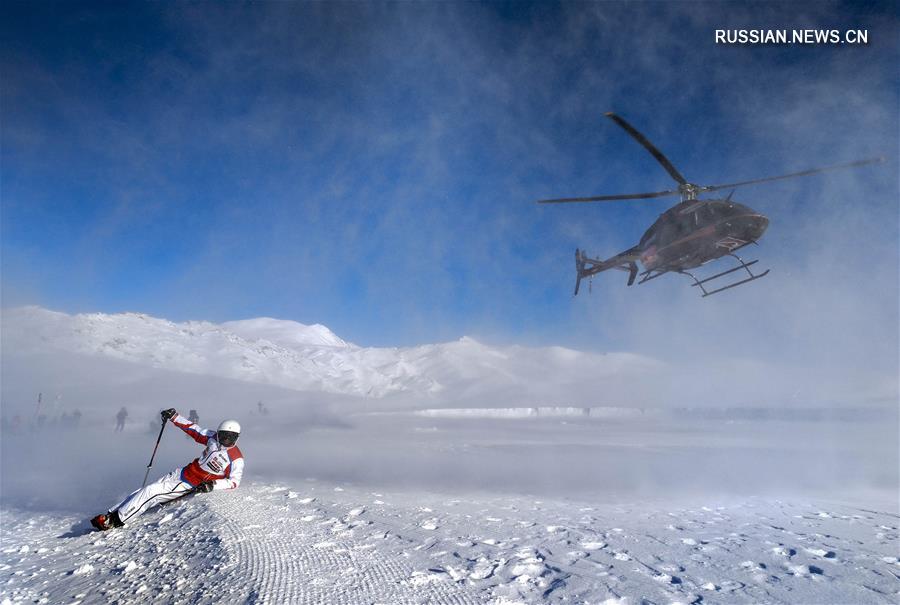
{"x":652,"y":274}
{"x":743,"y":265}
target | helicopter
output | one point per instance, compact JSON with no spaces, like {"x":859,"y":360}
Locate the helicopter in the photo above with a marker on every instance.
{"x":691,"y":233}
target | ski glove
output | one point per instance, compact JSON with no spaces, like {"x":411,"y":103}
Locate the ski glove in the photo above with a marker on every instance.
{"x":167,"y":414}
{"x":205,"y":487}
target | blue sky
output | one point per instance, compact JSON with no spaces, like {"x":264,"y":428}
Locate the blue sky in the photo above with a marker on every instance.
{"x":373,"y":167}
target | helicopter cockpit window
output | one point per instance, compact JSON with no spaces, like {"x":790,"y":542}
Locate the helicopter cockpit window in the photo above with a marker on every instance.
{"x":718,"y":211}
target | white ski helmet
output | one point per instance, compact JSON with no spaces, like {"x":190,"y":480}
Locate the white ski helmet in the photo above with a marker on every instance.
{"x":228,"y":432}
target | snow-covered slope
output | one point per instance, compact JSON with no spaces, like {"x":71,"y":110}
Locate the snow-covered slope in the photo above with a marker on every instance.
{"x":302,"y":357}
{"x":317,"y":543}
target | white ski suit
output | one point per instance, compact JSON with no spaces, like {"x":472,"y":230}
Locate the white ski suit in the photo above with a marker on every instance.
{"x":224,"y":466}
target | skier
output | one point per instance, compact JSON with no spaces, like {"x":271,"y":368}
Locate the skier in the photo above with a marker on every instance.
{"x":120,"y":419}
{"x":220,"y":466}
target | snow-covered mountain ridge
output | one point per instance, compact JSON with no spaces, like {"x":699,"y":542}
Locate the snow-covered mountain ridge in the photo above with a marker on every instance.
{"x":308,"y":357}
{"x":285,"y":333}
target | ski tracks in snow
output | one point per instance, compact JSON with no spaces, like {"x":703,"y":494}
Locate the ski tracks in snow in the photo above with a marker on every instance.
{"x":320,"y":544}
{"x":300,"y":551}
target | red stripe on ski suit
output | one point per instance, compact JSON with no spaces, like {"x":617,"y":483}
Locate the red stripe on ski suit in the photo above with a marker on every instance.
{"x":194,"y":473}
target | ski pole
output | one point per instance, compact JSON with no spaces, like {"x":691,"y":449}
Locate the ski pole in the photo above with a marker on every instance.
{"x":162,"y":428}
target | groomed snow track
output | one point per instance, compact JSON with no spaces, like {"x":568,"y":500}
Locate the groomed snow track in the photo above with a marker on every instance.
{"x":312,"y":556}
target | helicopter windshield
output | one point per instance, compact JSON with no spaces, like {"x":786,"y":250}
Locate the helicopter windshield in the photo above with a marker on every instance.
{"x":718,"y":210}
{"x":724,"y":210}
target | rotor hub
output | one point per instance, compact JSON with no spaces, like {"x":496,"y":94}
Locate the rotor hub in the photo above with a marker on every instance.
{"x":689,"y":191}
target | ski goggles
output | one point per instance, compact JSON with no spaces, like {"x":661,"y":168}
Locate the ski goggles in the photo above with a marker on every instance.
{"x":227,"y":438}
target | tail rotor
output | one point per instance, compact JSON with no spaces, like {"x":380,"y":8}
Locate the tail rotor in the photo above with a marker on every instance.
{"x":579,"y":268}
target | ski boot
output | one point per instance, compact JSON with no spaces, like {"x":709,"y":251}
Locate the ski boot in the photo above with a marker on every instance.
{"x":105,"y":521}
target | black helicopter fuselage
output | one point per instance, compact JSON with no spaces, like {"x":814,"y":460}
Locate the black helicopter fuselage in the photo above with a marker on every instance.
{"x":689,"y":234}
{"x":695,"y":232}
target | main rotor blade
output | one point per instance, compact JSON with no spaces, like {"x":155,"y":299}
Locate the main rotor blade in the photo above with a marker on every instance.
{"x":649,"y":147}
{"x":609,"y":198}
{"x":793,"y":174}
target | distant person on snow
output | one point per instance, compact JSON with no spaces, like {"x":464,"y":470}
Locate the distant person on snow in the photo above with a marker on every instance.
{"x":193,"y":417}
{"x":220,"y":466}
{"x":120,"y":419}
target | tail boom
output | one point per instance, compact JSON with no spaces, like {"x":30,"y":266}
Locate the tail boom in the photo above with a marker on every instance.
{"x":586,"y":266}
